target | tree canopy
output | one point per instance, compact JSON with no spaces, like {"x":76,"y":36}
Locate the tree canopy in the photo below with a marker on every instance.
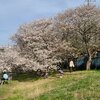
{"x":46,"y":42}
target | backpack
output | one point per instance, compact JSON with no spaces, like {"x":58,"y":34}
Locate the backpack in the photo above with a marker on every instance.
{"x":5,"y":76}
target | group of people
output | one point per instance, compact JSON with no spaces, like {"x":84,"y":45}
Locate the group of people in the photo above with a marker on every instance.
{"x":71,"y":67}
{"x":5,"y":76}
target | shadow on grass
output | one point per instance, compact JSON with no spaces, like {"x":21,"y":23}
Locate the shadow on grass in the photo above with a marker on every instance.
{"x":30,"y":76}
{"x":27,"y":76}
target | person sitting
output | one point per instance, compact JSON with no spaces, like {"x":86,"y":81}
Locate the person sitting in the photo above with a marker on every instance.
{"x":60,"y":70}
{"x":4,"y":78}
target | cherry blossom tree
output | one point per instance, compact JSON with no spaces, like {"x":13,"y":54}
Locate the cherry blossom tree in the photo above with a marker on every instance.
{"x":41,"y":44}
{"x":81,"y":26}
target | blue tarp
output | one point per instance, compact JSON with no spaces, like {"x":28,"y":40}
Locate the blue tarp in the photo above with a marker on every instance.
{"x":81,"y":63}
{"x":98,"y":54}
{"x":96,"y":61}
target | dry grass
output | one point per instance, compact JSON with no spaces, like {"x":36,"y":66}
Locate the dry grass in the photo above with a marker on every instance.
{"x":72,"y":86}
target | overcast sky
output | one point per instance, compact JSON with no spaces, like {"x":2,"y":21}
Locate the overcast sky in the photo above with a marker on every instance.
{"x":14,"y":13}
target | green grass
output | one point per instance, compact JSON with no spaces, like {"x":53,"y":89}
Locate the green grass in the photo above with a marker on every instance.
{"x":81,"y":85}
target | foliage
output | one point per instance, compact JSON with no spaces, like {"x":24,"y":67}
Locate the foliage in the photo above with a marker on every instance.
{"x":81,"y":27}
{"x":40,"y":44}
{"x":43,"y":43}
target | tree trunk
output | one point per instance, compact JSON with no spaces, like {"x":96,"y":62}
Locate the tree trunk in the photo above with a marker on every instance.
{"x":88,"y":64}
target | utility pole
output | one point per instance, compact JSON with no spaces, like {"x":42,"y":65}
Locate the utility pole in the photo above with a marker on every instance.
{"x":89,"y":1}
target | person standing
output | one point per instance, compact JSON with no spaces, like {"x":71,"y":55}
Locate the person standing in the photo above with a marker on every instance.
{"x":5,"y":77}
{"x":71,"y":65}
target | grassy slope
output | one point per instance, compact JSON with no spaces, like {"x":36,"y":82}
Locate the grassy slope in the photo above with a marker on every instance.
{"x":82,"y":85}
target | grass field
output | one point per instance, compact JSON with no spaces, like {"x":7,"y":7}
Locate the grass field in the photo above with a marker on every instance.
{"x":80,"y":85}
